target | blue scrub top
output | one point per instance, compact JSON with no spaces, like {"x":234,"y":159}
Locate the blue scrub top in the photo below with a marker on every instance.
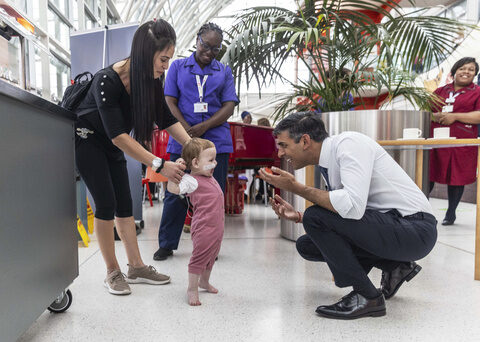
{"x":219,"y":88}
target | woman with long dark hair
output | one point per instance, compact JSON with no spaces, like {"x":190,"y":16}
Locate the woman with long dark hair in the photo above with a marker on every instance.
{"x":124,"y":96}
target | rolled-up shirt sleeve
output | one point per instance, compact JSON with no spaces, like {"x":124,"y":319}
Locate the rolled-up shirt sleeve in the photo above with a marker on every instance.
{"x":356,"y":167}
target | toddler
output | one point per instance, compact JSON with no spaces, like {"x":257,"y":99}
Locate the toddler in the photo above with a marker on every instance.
{"x":208,"y":218}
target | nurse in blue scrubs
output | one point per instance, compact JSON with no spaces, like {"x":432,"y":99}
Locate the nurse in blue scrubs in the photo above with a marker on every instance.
{"x":200,"y":93}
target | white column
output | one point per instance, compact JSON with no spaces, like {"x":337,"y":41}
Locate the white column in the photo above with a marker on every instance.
{"x":103,"y":12}
{"x":472,"y":9}
{"x":81,"y":15}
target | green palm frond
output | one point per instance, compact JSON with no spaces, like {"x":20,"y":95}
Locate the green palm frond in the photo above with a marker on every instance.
{"x":415,"y":36}
{"x":330,"y":36}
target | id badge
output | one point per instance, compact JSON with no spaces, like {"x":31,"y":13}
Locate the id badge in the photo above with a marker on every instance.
{"x":447,"y":109}
{"x":200,"y":107}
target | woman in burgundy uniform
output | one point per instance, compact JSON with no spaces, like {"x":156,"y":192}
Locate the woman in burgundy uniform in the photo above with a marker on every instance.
{"x":460,"y":111}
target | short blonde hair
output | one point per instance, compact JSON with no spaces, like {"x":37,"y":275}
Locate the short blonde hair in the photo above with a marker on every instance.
{"x":193,"y":148}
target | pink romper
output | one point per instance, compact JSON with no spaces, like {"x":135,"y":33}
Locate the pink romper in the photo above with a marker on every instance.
{"x":207,"y":223}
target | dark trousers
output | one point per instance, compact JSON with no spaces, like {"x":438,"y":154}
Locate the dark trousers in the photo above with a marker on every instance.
{"x":175,"y":210}
{"x":351,"y":248}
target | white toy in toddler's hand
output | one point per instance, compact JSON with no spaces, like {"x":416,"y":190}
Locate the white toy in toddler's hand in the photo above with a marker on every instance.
{"x":187,"y":185}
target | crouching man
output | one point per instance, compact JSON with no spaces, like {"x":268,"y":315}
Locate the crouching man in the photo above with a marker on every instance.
{"x":371,"y":215}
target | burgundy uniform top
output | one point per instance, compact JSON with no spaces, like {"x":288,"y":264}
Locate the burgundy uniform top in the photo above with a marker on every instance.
{"x":458,"y":165}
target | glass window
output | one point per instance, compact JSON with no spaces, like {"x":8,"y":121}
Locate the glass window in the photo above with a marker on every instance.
{"x":75,"y":14}
{"x":10,"y":61}
{"x":33,"y":69}
{"x":62,"y":6}
{"x":89,"y":22}
{"x":458,"y":11}
{"x":58,"y":29}
{"x":90,"y":4}
{"x":58,"y":78}
{"x":21,"y":5}
{"x":110,"y":20}
{"x":34,"y":11}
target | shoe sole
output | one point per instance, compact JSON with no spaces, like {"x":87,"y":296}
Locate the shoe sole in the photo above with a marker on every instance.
{"x":409,"y":277}
{"x":115,"y":292}
{"x":161,"y":258}
{"x":378,"y":313}
{"x":147,"y":281}
{"x":448,"y":223}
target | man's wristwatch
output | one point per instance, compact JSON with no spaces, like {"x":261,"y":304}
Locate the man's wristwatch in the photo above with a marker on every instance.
{"x":157,"y":164}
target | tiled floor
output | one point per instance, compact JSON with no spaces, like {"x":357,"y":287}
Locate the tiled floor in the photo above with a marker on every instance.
{"x":268,"y":293}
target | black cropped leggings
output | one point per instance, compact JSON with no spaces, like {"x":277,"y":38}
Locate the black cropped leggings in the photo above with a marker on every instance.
{"x":105,"y":174}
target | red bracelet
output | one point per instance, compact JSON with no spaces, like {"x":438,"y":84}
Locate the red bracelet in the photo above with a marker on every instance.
{"x":299,"y":217}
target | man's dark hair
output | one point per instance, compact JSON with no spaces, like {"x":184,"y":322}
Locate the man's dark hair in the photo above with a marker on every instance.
{"x":150,"y":38}
{"x":298,"y":124}
{"x":461,"y":62}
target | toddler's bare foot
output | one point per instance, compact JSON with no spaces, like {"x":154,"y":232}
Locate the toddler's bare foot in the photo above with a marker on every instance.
{"x":193,"y":297}
{"x":208,"y":287}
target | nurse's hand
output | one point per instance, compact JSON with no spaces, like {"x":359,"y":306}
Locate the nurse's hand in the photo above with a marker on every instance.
{"x":173,"y":171}
{"x":446,"y":118}
{"x":198,"y":130}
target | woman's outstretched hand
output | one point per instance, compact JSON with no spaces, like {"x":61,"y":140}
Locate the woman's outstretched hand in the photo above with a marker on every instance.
{"x":173,"y":171}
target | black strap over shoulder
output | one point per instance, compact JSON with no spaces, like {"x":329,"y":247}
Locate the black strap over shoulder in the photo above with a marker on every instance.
{"x":78,"y":78}
{"x":76,"y":92}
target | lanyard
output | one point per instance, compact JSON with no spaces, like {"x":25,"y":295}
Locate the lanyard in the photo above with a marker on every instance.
{"x":200,"y":86}
{"x":451,"y":97}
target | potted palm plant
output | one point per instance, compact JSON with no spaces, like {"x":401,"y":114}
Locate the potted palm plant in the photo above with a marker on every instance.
{"x":331,"y":36}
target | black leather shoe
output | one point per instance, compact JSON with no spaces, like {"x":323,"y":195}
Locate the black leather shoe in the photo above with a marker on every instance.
{"x":353,"y":306}
{"x":391,"y":281}
{"x":162,"y":254}
{"x":446,"y":222}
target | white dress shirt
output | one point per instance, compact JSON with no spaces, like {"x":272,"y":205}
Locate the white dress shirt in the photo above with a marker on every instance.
{"x":362,"y":175}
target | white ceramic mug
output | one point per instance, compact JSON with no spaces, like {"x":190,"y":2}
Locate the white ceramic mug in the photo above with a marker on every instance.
{"x":412,"y":133}
{"x":441,"y":132}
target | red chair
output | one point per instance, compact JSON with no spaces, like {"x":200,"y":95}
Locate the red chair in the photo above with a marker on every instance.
{"x":159,"y":148}
{"x":153,"y":177}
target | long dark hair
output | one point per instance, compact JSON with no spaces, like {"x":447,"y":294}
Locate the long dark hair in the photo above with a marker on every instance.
{"x":151,"y":37}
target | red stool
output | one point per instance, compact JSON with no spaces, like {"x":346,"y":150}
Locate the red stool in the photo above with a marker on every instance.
{"x":145,"y":182}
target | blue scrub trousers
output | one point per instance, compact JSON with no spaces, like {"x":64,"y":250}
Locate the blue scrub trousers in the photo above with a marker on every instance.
{"x":175,"y":211}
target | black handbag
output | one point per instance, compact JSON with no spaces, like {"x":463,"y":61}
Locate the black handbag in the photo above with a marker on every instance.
{"x":76,"y":92}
